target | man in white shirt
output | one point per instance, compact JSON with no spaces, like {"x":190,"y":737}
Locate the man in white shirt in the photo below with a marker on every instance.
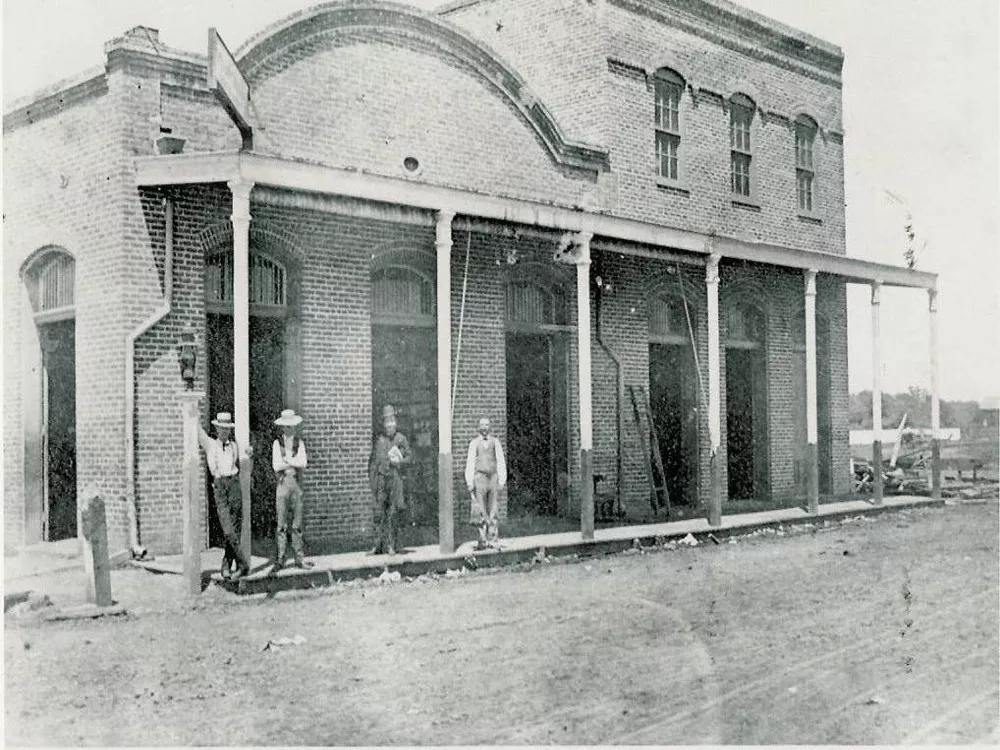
{"x":485,"y":476}
{"x":288,"y":458}
{"x":223,"y":456}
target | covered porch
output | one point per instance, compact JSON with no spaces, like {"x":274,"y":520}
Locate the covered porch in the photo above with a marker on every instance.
{"x":258,"y":181}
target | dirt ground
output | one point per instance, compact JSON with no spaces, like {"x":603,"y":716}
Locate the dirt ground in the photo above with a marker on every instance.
{"x":874,"y":631}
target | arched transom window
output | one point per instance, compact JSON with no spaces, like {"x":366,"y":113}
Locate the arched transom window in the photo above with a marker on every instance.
{"x":744,"y":327}
{"x":668,"y":322}
{"x":51,"y":286}
{"x":268,"y":283}
{"x":402,"y":296}
{"x":532,"y":305}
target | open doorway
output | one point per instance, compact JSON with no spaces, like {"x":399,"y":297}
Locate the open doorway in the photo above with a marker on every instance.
{"x":673,"y":396}
{"x":58,"y":341}
{"x":746,"y":405}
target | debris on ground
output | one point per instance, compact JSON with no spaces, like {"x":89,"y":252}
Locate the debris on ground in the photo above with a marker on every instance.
{"x":540,"y":556}
{"x":713,"y":538}
{"x":390,"y":577}
{"x":30,"y":605}
{"x":874,"y":701}
{"x":276,"y":644}
{"x":689,"y":540}
{"x":454,"y":572}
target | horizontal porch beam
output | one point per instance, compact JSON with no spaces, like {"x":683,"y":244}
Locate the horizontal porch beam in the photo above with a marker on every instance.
{"x":306,"y":177}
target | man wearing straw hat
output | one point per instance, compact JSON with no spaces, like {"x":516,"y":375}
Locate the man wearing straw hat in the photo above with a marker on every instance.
{"x":390,"y":452}
{"x":223,"y":456}
{"x":288,"y":458}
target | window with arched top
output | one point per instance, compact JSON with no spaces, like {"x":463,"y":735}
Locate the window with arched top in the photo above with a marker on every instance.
{"x":668,"y":87}
{"x":268,"y":283}
{"x":51,"y":286}
{"x":741,"y":112}
{"x":805,"y":163}
{"x":744,"y":327}
{"x":668,"y":321}
{"x":402,"y":296}
{"x":533,"y":305}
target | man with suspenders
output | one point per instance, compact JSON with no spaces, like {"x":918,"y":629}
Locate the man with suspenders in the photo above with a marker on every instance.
{"x":223,"y":456}
{"x":288,"y":458}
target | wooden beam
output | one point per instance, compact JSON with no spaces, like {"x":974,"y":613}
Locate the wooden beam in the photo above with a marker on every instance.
{"x":230,"y":87}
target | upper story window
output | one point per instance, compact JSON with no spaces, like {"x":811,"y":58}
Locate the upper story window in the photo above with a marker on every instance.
{"x":805,"y":169}
{"x":267,"y":283}
{"x":668,"y":87}
{"x":741,"y":111}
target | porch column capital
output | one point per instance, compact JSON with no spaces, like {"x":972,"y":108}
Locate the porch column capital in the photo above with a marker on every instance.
{"x":241,"y":190}
{"x":876,"y":292}
{"x":932,"y":300}
{"x":810,"y":277}
{"x":712,"y":268}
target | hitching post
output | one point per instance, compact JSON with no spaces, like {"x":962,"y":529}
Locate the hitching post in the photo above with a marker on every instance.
{"x":93,"y":523}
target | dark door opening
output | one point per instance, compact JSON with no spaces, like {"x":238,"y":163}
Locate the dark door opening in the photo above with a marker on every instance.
{"x":673,"y":397}
{"x":404,"y":374}
{"x":59,"y":349}
{"x":536,"y":422}
{"x":746,"y":424}
{"x":267,"y":399}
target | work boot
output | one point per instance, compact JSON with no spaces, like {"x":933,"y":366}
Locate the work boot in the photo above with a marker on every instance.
{"x":303,"y":564}
{"x":225,"y":568}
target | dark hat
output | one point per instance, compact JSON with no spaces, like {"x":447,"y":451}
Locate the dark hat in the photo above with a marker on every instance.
{"x":388,"y":412}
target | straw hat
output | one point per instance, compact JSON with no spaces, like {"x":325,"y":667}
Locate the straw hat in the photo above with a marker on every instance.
{"x":224,"y":419}
{"x":288,"y":418}
{"x":388,"y":412}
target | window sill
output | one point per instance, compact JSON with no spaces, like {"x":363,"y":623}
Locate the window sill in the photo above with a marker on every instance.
{"x":747,"y":204}
{"x":809,"y":218}
{"x":672,"y":186}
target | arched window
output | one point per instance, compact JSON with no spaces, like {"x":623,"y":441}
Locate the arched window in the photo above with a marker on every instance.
{"x":668,"y":87}
{"x":805,"y":165}
{"x":402,"y":296}
{"x":268,"y":284}
{"x":741,"y":112}
{"x":533,"y":305}
{"x":668,"y":322}
{"x":50,"y":281}
{"x":744,"y":327}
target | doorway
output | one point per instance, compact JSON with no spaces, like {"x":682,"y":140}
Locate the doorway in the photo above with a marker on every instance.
{"x":746,"y":424}
{"x":536,"y":421}
{"x":673,"y":397}
{"x":59,"y":429}
{"x":267,"y":399}
{"x":404,"y":374}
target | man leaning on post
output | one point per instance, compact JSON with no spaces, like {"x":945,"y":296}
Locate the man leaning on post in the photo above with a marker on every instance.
{"x":223,"y":456}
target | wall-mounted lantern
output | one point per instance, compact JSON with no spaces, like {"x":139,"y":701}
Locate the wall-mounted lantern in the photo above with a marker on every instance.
{"x":187,"y":355}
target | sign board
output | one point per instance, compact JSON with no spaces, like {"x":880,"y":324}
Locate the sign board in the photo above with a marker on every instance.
{"x":229,"y":85}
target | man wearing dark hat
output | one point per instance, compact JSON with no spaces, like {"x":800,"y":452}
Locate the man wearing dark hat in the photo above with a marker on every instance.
{"x":223,"y":456}
{"x":288,"y":458}
{"x":485,"y":476}
{"x":390,"y":452}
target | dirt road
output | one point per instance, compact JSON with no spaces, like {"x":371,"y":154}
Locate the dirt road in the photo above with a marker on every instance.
{"x":876,"y":631}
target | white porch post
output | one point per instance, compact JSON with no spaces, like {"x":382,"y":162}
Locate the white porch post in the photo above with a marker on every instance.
{"x":812,"y":454}
{"x":714,"y":390}
{"x":586,"y":406}
{"x":446,"y":501}
{"x":241,"y":343}
{"x":935,"y":402}
{"x":877,"y":393}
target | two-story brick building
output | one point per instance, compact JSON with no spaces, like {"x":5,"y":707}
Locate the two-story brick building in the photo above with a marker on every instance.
{"x":371,"y":187}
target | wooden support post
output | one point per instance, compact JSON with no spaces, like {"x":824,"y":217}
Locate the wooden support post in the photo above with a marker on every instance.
{"x":932,"y":300}
{"x":812,"y":454}
{"x":877,"y":489}
{"x":93,"y":522}
{"x":582,"y":262}
{"x":446,"y":479}
{"x":241,"y":346}
{"x":191,"y":507}
{"x":714,"y":390}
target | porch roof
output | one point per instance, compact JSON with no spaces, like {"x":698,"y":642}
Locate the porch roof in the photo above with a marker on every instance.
{"x":278,"y":172}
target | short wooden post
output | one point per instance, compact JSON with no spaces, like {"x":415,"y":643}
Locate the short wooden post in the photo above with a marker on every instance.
{"x":191,"y":507}
{"x":95,"y":530}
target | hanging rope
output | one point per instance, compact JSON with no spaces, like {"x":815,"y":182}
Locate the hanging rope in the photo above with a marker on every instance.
{"x":461,"y":322}
{"x":694,"y":347}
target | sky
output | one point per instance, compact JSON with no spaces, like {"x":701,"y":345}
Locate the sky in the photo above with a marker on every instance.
{"x":921,"y":113}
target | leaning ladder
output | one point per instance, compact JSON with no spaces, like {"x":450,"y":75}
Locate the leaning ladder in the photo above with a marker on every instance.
{"x":659,"y":495}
